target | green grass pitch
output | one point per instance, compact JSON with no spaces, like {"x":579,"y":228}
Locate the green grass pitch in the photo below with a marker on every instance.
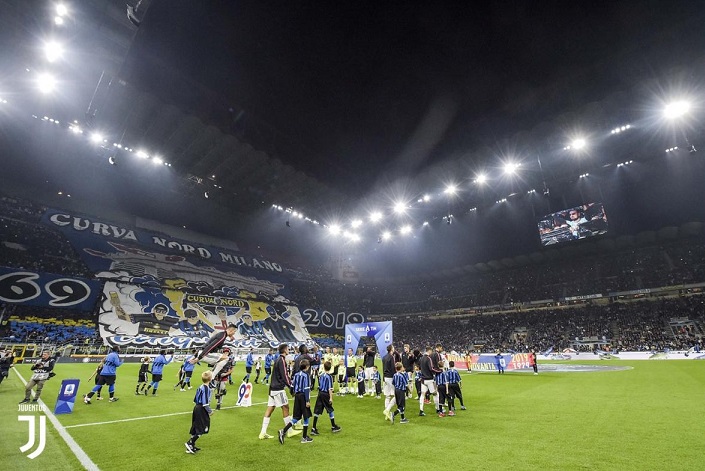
{"x":651,"y":417}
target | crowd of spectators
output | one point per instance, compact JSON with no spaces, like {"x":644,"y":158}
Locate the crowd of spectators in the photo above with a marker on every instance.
{"x":25,"y":324}
{"x":629,"y":326}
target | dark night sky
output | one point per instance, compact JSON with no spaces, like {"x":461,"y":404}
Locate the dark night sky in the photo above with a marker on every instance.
{"x":339,"y":90}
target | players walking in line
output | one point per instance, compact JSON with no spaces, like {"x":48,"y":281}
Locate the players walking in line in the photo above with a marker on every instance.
{"x":108,"y":375}
{"x":187,"y":371}
{"x":388,"y":372}
{"x":268,"y":362}
{"x":258,"y":369}
{"x":400,"y":380}
{"x":302,"y":402}
{"x":201,"y":416}
{"x":428,"y":385}
{"x":42,"y":369}
{"x":360,"y":382}
{"x":277,"y":395}
{"x":157,"y":369}
{"x":142,"y":377}
{"x":454,"y":384}
{"x":249,"y":363}
{"x":408,"y":360}
{"x":315,"y":363}
{"x":324,"y":399}
{"x":96,"y":375}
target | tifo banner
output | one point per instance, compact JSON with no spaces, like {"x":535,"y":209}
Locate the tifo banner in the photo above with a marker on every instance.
{"x":137,"y":315}
{"x":19,"y":286}
{"x":135,"y":256}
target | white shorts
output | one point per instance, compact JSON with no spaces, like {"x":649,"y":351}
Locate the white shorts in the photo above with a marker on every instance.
{"x":388,"y":388}
{"x":429,"y":385}
{"x":277,"y":399}
{"x":368,"y":372}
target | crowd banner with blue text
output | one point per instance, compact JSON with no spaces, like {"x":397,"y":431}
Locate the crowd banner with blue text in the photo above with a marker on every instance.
{"x":67,"y":396}
{"x":381,"y":331}
{"x":136,"y":256}
{"x":144,"y":316}
{"x":18,"y":286}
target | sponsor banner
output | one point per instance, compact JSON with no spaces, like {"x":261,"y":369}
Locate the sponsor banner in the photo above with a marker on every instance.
{"x":144,"y":316}
{"x":67,"y":396}
{"x":19,"y":286}
{"x":583,"y":297}
{"x":116,"y":252}
{"x":489,"y":362}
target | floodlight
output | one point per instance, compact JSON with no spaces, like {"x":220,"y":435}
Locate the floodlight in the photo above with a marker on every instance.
{"x":426,"y":198}
{"x":451,"y":189}
{"x":157,"y":161}
{"x":356,"y":223}
{"x":405,"y":229}
{"x":676,"y":109}
{"x":142,"y":154}
{"x":58,"y":20}
{"x":425,"y":223}
{"x":578,"y":144}
{"x":96,"y":138}
{"x":510,"y":168}
{"x":481,"y":178}
{"x":399,"y":208}
{"x":46,"y":83}
{"x":53,"y":51}
{"x":375,"y":216}
{"x":61,"y":9}
{"x":386,"y":235}
{"x":334,"y":229}
{"x":353,"y":237}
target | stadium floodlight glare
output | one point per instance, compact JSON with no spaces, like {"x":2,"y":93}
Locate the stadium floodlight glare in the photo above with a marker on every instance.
{"x":676,"y":109}
{"x":142,"y":154}
{"x":405,"y":229}
{"x":400,"y":208}
{"x":96,"y":138}
{"x":157,"y":161}
{"x":58,"y":20}
{"x":53,"y":51}
{"x":481,"y":178}
{"x":426,"y":198}
{"x":334,"y":229}
{"x":61,"y":9}
{"x":386,"y":235}
{"x":46,"y":83}
{"x":510,"y":168}
{"x":352,"y":237}
{"x":425,"y":223}
{"x":356,"y":223}
{"x":451,"y":189}
{"x":578,"y":144}
{"x":375,"y":216}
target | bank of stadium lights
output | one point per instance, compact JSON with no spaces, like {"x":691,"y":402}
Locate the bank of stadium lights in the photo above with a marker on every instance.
{"x":576,"y":144}
{"x":622,"y":164}
{"x":584,"y":175}
{"x":96,"y":138}
{"x":620,"y":129}
{"x":353,"y":237}
{"x":355,"y":223}
{"x":53,"y":51}
{"x":334,"y":229}
{"x":531,"y":192}
{"x":375,"y":216}
{"x":46,"y":83}
{"x":503,"y":200}
{"x":672,"y":149}
{"x":481,"y":179}
{"x":58,"y":20}
{"x":157,"y":160}
{"x":676,"y":109}
{"x":386,"y":235}
{"x":451,"y":189}
{"x":61,"y":9}
{"x":510,"y":168}
{"x":425,"y":224}
{"x":400,"y":208}
{"x":406,"y":229}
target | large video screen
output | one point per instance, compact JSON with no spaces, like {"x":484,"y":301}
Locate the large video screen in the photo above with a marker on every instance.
{"x":576,"y":223}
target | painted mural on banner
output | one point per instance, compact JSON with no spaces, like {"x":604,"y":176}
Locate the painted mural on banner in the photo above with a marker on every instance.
{"x":154,"y":259}
{"x":18,"y":286}
{"x":135,"y":315}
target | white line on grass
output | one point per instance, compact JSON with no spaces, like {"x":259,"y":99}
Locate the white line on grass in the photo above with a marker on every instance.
{"x":75,"y":448}
{"x":156,"y":416}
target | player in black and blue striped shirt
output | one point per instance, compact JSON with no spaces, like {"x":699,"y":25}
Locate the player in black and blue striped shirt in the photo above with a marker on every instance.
{"x":400,"y":380}
{"x":443,"y":391}
{"x":454,"y":385}
{"x":201,"y":417}
{"x":302,"y":402}
{"x":324,"y":399}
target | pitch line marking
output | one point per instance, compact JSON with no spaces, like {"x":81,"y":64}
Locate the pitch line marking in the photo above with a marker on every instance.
{"x":75,"y":448}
